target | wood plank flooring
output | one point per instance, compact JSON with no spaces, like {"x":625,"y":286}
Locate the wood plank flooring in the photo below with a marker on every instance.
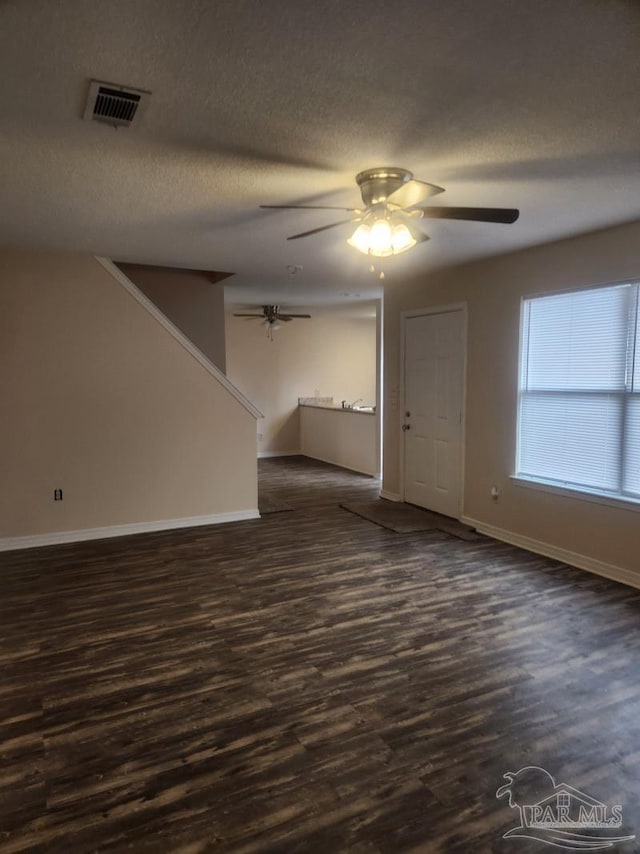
{"x":306,"y":682}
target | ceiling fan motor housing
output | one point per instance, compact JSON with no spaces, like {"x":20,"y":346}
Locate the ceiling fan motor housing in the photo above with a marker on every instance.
{"x":271,"y":312}
{"x":376,"y":185}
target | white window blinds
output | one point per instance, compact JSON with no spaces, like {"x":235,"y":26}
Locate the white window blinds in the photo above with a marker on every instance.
{"x":579,"y":406}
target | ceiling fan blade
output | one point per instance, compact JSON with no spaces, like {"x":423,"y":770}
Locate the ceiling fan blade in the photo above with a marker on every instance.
{"x":292,"y":316}
{"x":248,"y":315}
{"x":322,"y":228}
{"x":307,"y":208}
{"x":416,"y":232}
{"x":503,"y":215}
{"x":412,"y":193}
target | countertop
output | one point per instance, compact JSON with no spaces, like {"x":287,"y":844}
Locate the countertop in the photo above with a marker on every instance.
{"x":335,"y":408}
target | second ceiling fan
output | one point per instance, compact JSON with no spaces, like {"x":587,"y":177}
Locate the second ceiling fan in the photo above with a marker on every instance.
{"x":387,"y":222}
{"x":271,"y":317}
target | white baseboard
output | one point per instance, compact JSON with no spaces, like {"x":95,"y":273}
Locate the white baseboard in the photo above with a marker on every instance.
{"x":35,"y":540}
{"x":265,"y":454}
{"x":598,"y":567}
{"x":390,"y":496}
{"x":340,"y":465}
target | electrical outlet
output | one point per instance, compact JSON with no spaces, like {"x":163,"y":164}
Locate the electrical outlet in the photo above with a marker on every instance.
{"x":57,"y":495}
{"x":495,"y":493}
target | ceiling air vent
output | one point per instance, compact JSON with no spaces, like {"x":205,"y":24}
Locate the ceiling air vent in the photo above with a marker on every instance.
{"x":113,"y":104}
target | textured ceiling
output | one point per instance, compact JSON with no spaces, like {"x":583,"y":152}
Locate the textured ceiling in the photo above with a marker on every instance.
{"x":532,"y":104}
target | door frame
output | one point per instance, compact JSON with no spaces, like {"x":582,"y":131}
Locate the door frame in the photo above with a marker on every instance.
{"x":420,"y":312}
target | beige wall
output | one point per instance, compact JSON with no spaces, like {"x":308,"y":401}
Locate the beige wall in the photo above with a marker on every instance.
{"x":328,"y":355}
{"x":190,"y":301}
{"x":493,"y":291}
{"x":343,"y":437}
{"x":101,"y":401}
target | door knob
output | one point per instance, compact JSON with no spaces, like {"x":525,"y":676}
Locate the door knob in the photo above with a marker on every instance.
{"x":406,"y":427}
{"x":408,"y":414}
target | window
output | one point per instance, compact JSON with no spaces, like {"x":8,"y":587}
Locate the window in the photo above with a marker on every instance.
{"x":579,"y":394}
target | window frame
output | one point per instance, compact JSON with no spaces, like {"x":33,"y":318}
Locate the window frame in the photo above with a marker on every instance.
{"x":620,"y":499}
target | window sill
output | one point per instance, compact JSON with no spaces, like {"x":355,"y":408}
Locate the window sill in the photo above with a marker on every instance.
{"x":579,"y":494}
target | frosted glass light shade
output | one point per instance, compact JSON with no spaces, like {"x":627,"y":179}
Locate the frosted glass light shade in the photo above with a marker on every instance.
{"x":382,"y":239}
{"x":360,"y":239}
{"x":401,"y":239}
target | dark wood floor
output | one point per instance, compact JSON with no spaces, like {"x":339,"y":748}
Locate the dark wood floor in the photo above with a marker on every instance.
{"x":306,"y":682}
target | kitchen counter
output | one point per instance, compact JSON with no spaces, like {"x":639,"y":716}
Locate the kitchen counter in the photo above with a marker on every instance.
{"x":334,"y":407}
{"x":339,"y":439}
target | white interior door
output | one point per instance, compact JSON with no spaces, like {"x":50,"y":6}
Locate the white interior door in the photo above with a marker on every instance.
{"x":433,"y":402}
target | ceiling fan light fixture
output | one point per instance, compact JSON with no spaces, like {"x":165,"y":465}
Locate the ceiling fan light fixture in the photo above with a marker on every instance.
{"x":360,"y":238}
{"x":380,"y":239}
{"x":401,"y":239}
{"x":390,"y":195}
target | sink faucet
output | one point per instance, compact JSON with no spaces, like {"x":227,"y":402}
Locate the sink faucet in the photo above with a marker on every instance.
{"x":351,"y":405}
